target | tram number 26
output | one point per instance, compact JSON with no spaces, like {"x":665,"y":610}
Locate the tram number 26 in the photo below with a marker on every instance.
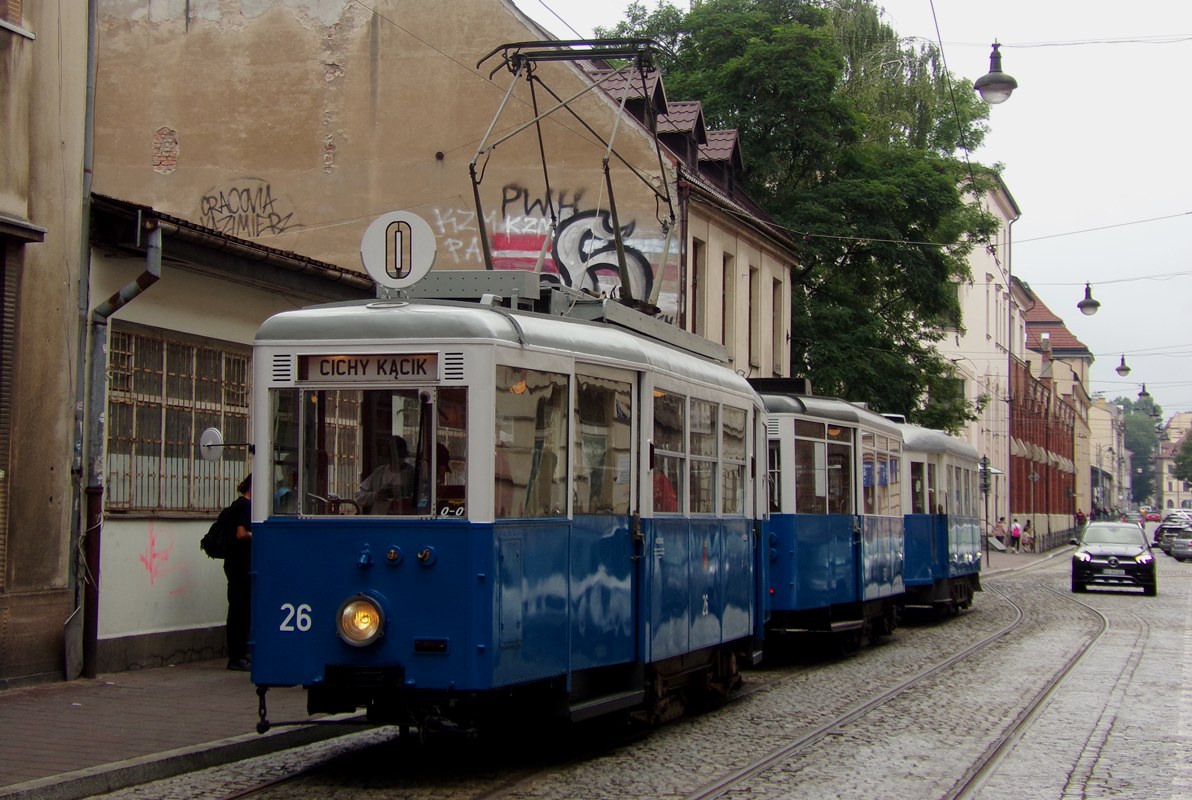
{"x":297,"y":618}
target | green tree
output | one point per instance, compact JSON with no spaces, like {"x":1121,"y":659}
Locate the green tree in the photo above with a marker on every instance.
{"x":850,"y":136}
{"x":1142,"y":440}
{"x":1183,"y":460}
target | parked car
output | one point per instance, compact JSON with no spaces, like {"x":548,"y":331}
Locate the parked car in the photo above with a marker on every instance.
{"x":1153,"y":516}
{"x":1171,"y":531}
{"x":1113,"y":554}
{"x":1165,"y":529}
{"x":1181,"y":544}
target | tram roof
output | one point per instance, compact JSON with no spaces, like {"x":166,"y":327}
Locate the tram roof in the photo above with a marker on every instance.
{"x":375,"y":322}
{"x":828,"y":408}
{"x":930,"y":440}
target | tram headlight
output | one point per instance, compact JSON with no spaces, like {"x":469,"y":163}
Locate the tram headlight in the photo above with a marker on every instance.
{"x":360,"y":621}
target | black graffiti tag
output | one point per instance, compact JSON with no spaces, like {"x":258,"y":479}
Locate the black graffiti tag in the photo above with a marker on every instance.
{"x":248,"y":210}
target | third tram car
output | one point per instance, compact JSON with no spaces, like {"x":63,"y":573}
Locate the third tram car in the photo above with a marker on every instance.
{"x":943,"y":528}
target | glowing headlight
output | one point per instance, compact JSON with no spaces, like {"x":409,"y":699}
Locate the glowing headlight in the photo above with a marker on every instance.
{"x":1082,"y":556}
{"x":1144,"y":558}
{"x":361,"y":621}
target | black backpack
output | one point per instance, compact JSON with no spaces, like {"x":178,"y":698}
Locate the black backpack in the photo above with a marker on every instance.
{"x":217,"y":541}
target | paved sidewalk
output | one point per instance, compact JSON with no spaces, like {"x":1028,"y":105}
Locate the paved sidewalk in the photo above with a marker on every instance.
{"x":73,"y":739}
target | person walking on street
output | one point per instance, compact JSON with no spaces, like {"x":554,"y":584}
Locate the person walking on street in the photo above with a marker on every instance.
{"x":1015,"y":536}
{"x":236,"y":568}
{"x":1028,"y":538}
{"x":999,"y":530}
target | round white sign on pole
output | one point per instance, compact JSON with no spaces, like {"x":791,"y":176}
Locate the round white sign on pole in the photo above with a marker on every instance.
{"x":398,"y":249}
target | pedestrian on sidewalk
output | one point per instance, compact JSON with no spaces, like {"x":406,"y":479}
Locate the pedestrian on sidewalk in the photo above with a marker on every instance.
{"x":1015,"y":536}
{"x":1028,"y":538}
{"x":236,"y":568}
{"x":999,"y":530}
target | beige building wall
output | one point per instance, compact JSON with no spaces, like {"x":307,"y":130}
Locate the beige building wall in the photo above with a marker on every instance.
{"x":980,"y":351}
{"x":295,"y":124}
{"x":43,"y":48}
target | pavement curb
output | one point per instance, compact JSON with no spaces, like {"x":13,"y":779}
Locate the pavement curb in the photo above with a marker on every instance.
{"x":145,"y":769}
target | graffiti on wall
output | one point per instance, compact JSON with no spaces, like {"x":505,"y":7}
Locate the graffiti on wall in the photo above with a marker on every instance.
{"x":582,"y":253}
{"x":246,"y":208}
{"x":155,"y":558}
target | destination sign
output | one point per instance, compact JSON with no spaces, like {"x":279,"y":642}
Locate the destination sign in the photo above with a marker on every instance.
{"x":403,"y":368}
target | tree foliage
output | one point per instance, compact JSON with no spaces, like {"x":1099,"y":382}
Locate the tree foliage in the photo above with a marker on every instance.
{"x":852,"y":140}
{"x":1141,"y":439}
{"x":1183,"y":460}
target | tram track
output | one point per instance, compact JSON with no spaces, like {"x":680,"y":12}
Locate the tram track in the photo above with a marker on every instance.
{"x":742,"y":776}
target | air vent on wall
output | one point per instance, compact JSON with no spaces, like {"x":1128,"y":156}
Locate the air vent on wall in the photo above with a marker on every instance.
{"x":772,"y":428}
{"x":283,"y":369}
{"x":453,"y":366}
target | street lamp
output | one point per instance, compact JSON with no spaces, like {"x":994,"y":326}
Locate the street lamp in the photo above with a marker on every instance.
{"x":995,"y":86}
{"x":1144,"y":393}
{"x":1122,"y":369}
{"x":1088,"y":306}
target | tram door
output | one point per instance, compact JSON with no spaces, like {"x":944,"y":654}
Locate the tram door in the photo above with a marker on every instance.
{"x":604,"y":583}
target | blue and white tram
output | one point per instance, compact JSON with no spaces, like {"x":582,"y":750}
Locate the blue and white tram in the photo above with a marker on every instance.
{"x":575,"y":529}
{"x":835,"y":542}
{"x":943,"y":528}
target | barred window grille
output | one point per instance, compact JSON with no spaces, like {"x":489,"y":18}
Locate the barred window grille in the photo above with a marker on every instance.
{"x":164,"y":389}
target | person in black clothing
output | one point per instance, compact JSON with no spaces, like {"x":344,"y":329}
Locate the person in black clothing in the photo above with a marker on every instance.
{"x":236,"y":568}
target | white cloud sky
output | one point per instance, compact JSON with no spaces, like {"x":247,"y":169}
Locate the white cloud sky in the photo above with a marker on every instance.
{"x":1095,"y":139}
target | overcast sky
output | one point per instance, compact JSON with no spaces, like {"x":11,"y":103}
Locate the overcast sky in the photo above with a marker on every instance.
{"x":1095,"y":144}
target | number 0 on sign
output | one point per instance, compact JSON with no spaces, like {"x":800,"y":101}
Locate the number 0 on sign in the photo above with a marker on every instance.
{"x":398,"y":249}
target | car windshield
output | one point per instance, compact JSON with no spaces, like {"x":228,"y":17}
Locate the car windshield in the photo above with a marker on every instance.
{"x":1113,"y":534}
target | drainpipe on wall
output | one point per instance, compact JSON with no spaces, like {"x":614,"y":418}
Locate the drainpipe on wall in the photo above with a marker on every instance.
{"x":93,"y":452}
{"x":72,"y":634}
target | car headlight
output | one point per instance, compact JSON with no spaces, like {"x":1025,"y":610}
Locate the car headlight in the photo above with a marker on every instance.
{"x":1082,"y":556}
{"x":361,"y":621}
{"x":1144,"y":558}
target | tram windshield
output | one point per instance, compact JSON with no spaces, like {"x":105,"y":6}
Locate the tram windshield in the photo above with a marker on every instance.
{"x":370,"y":451}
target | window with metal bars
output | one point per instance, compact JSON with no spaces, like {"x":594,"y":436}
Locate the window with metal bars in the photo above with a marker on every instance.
{"x":164,"y":389}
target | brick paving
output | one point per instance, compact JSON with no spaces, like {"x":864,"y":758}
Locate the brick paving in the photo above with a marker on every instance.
{"x":76,"y":738}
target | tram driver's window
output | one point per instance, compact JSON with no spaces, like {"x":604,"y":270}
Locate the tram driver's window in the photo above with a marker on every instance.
{"x":531,"y":414}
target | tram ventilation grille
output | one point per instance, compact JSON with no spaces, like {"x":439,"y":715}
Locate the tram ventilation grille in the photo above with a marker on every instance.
{"x":453,"y":366}
{"x":772,"y":428}
{"x":283,"y":368}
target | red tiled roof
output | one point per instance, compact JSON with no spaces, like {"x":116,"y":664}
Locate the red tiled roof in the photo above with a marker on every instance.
{"x":1040,"y":319}
{"x":721,"y":146}
{"x":616,"y":84}
{"x":684,"y":116}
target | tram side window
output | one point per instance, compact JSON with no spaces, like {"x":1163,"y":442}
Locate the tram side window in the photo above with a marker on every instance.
{"x":603,"y":445}
{"x":775,"y":473}
{"x":286,"y":498}
{"x":733,"y":453}
{"x":840,"y":478}
{"x":670,"y":437}
{"x":811,"y":485}
{"x":918,"y":489}
{"x":531,"y":431}
{"x":704,"y":432}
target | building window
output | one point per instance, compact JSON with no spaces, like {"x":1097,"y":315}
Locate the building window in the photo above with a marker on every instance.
{"x":10,"y":11}
{"x":728,"y":300}
{"x":699,"y":287}
{"x":164,"y":390}
{"x":755,"y":303}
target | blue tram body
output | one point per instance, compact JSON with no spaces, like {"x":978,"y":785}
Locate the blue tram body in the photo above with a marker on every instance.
{"x":943,"y":528}
{"x":836,"y":528}
{"x":531,"y":556}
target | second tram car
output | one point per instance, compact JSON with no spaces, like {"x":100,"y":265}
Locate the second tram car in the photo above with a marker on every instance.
{"x":836,"y":528}
{"x":466,"y":509}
